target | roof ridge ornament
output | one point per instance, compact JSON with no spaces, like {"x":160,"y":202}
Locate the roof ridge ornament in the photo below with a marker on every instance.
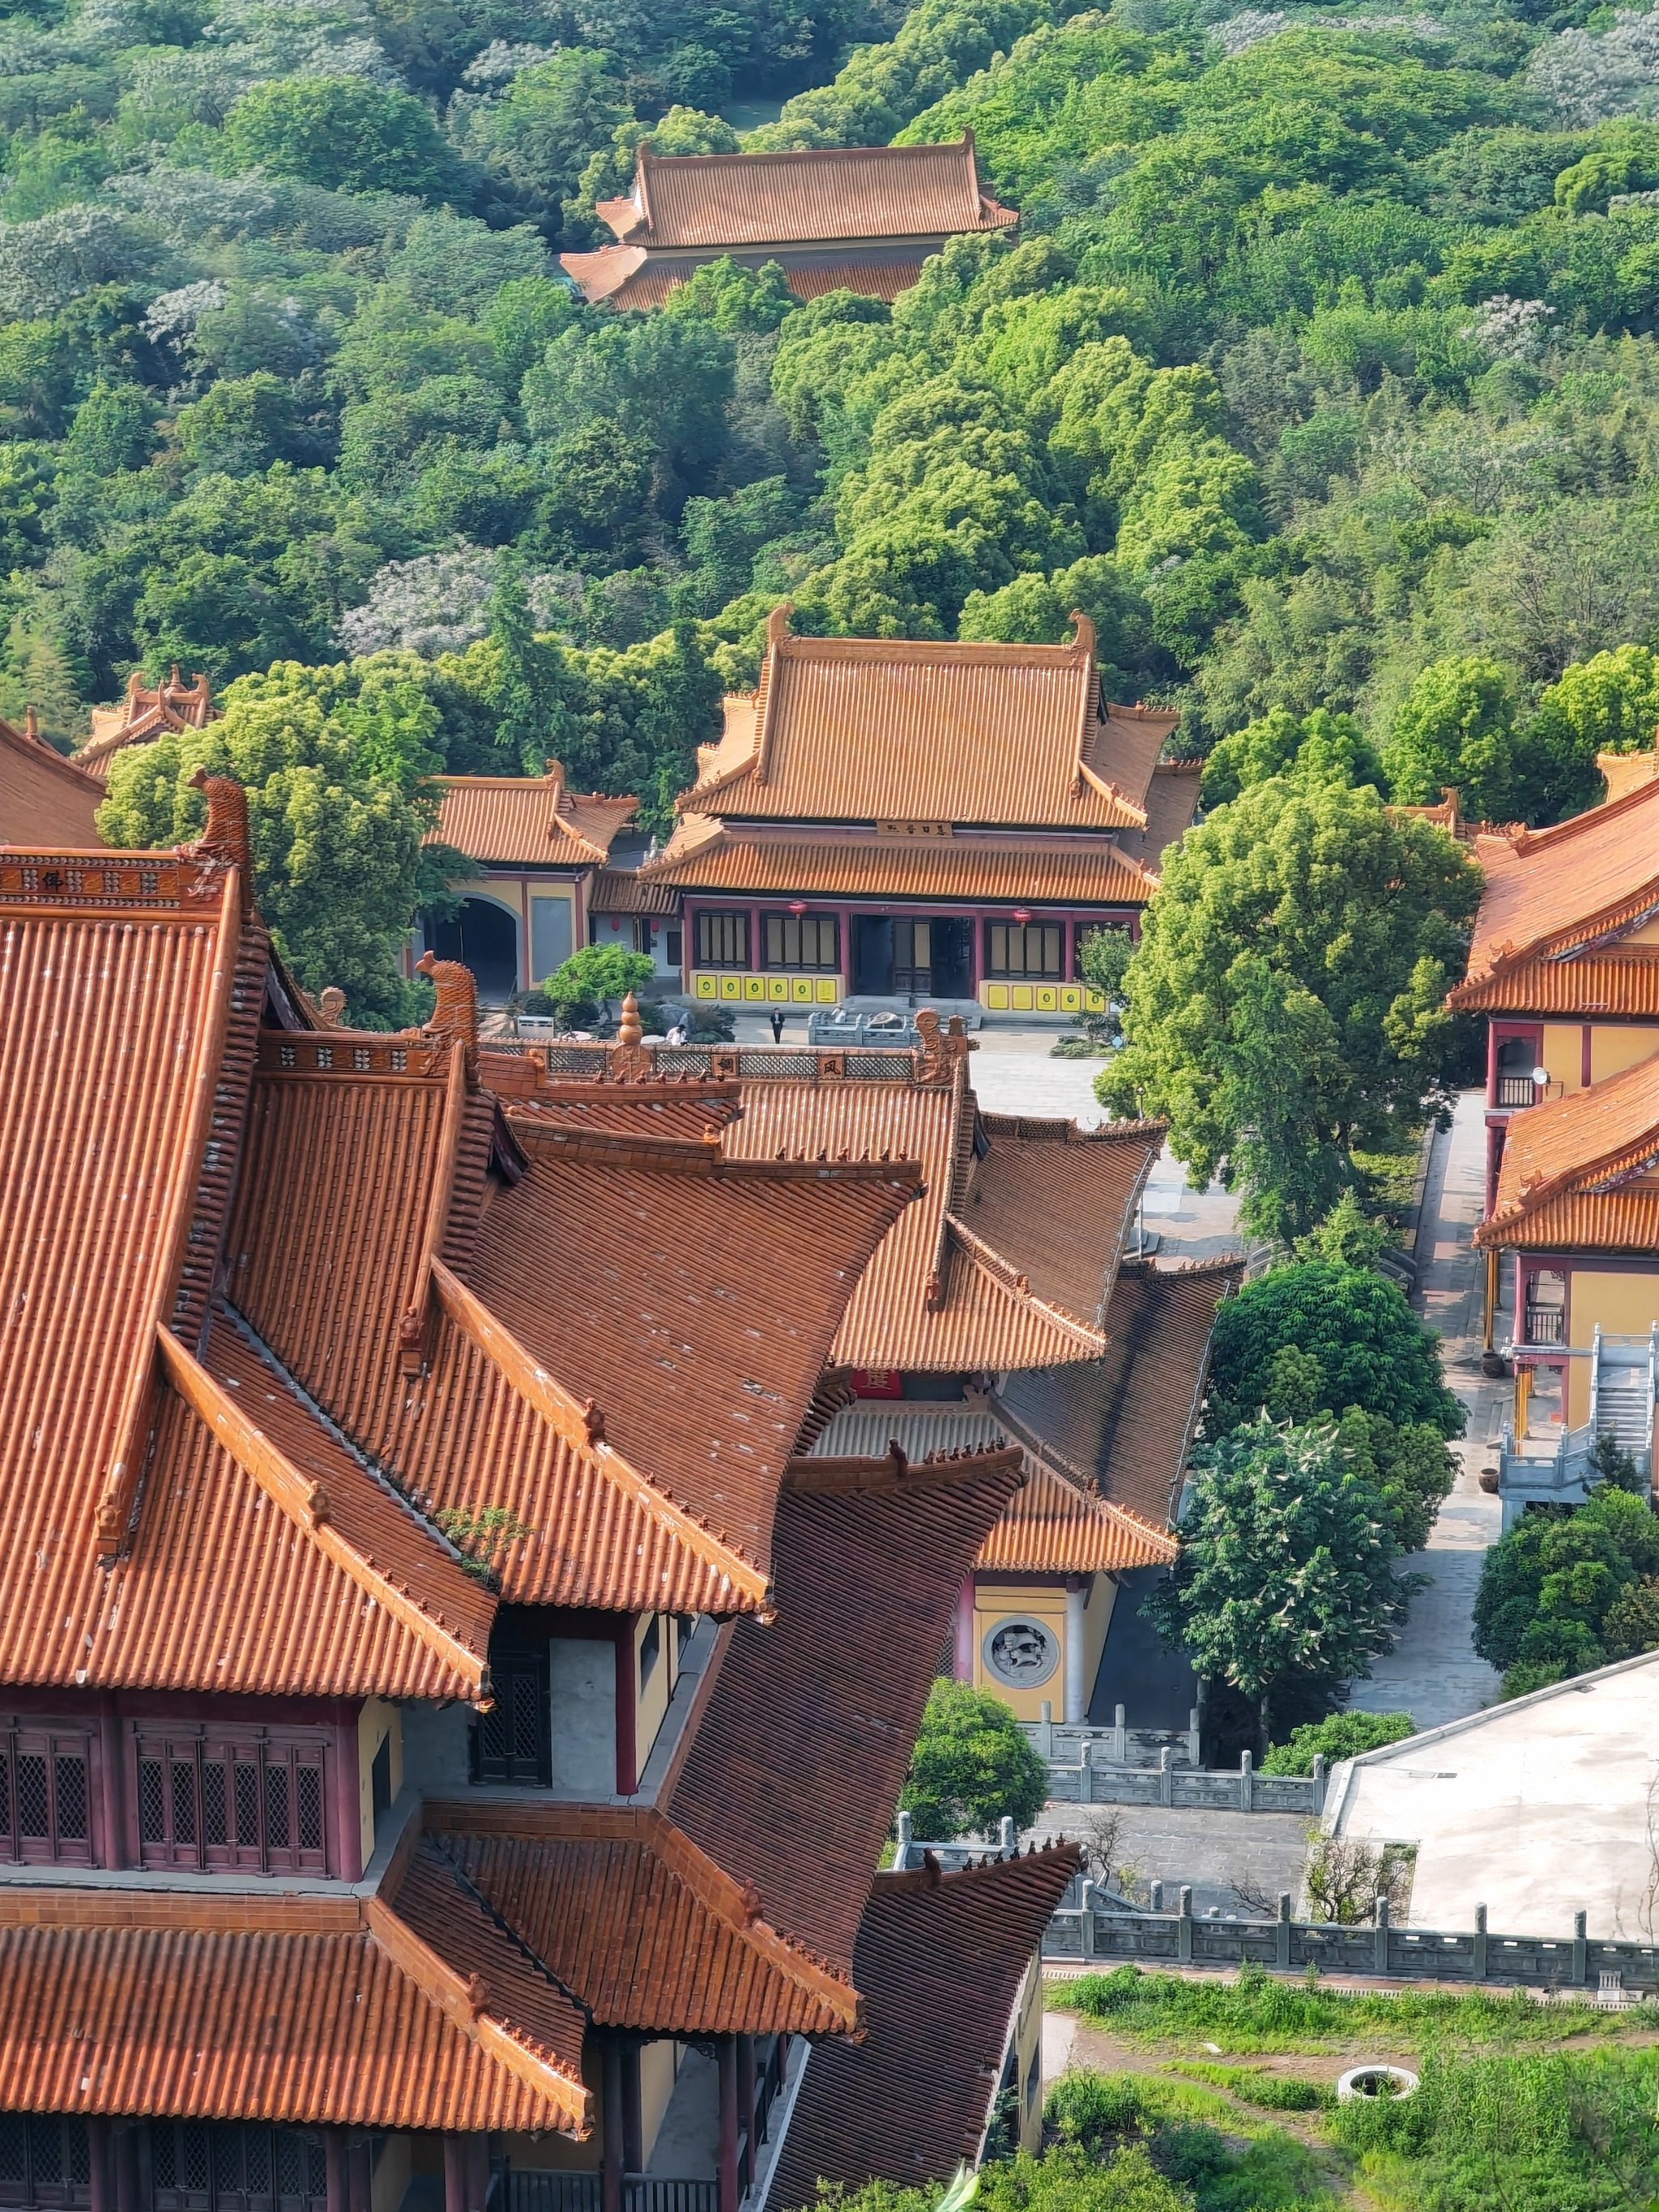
{"x":455,"y":1017}
{"x":226,"y":837}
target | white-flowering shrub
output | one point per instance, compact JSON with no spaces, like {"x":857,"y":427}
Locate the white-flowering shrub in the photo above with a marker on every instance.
{"x":1254,"y":25}
{"x":439,"y":604}
{"x":1510,"y":330}
{"x":1588,"y":76}
{"x":45,"y":263}
{"x":187,"y":207}
{"x":175,"y":314}
{"x":500,"y":62}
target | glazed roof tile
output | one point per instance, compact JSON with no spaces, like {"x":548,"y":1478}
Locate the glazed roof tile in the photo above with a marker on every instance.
{"x":145,"y":713}
{"x":647,"y":1106}
{"x":1005,"y":1261}
{"x":706,"y":854}
{"x":1125,"y":1423}
{"x":626,"y":890}
{"x":867,"y":1562}
{"x":1553,"y":894}
{"x":825,"y":193}
{"x":1623,"y":980}
{"x":724,"y":1278}
{"x":1583,"y":1171}
{"x":521,"y":821}
{"x":883,"y":730}
{"x":632,"y":280}
{"x":96,"y":1201}
{"x":45,"y":799}
{"x":638,"y":1924}
{"x":318,"y":2010}
{"x":1057,"y":1524}
{"x":909,"y":2104}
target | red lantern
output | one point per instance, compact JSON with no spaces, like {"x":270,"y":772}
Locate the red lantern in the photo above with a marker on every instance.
{"x":1022,"y":916}
{"x":798,"y":906}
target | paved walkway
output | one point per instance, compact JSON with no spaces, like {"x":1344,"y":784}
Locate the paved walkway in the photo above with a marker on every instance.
{"x":1433,"y":1674}
{"x":1207,"y":1851}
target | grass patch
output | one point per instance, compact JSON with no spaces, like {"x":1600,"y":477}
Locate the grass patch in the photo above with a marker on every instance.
{"x":1216,"y":2158}
{"x":1548,"y":2131}
{"x":1260,"y":2013}
{"x":1253,"y":2085}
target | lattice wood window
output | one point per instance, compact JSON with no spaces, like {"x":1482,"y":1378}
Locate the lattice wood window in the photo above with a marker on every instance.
{"x":44,"y":2159}
{"x":247,"y":1801}
{"x":241,"y":2167}
{"x":722,"y":940}
{"x":513,"y":1740}
{"x":46,"y":1794}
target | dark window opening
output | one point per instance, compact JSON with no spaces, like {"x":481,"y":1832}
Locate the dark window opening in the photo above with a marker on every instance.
{"x":1033,"y":949}
{"x":242,"y":2168}
{"x":675,"y":951}
{"x":379,"y":1781}
{"x":650,"y":1648}
{"x":44,"y":2159}
{"x":251,"y":1802}
{"x":722,"y":940}
{"x":513,"y":1740}
{"x":806,"y":941}
{"x":45,"y":1796}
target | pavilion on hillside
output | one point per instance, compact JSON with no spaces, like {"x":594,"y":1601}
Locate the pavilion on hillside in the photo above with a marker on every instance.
{"x":415,"y":1589}
{"x":939,"y":823}
{"x":854,"y":218}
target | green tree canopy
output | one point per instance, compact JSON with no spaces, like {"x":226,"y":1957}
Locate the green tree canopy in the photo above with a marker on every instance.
{"x":340,"y":131}
{"x":1285,"y":1568}
{"x":1286,"y":1003}
{"x":1316,"y":1338}
{"x":972,"y":1766}
{"x":1566,"y":1592}
{"x":1309,"y":748}
{"x":335,"y":762}
{"x":1343,"y":1735}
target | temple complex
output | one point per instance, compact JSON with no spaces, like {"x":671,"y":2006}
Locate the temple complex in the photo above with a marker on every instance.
{"x":856,"y":218}
{"x":937,"y":821}
{"x":998,"y":1312}
{"x":442,"y":1763}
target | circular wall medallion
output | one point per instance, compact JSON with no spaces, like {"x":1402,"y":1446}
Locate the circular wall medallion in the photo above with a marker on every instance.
{"x":1021,"y":1652}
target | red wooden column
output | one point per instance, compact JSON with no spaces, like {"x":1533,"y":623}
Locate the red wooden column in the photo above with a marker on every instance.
{"x":477,"y":2172}
{"x":730,"y":2194}
{"x":360,"y":2173}
{"x":456,"y":2161}
{"x":124,"y":2156}
{"x":612,"y":2149}
{"x":99,"y":2156}
{"x":746,"y":2104}
{"x":633,"y":2112}
{"x":338,"y":2168}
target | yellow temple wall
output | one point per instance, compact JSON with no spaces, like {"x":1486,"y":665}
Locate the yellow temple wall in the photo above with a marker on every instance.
{"x":1614,"y":1048}
{"x":1621,"y":1302}
{"x":377,"y":1721}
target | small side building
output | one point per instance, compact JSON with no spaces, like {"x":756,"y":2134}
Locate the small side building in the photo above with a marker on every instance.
{"x":854,"y":218}
{"x":535,"y":848}
{"x":45,"y":798}
{"x":148,"y":712}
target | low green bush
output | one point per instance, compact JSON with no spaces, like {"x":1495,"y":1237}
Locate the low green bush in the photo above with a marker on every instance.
{"x":1343,"y":1735}
{"x":1269,"y":2093}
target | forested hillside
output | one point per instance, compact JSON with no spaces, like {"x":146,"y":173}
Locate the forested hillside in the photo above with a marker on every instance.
{"x":1322,"y":374}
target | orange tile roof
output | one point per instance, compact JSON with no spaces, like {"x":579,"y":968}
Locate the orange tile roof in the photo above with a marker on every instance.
{"x":706,"y":854}
{"x":936,"y":1952}
{"x":1624,"y":981}
{"x":1583,"y":1171}
{"x":651,"y":1107}
{"x":45,"y":799}
{"x":723,"y":1279}
{"x":882,"y":730}
{"x":822,"y":194}
{"x":631,"y":279}
{"x":1058,"y":1524}
{"x":146,"y":714}
{"x":869,"y":1562}
{"x":1626,"y":772}
{"x":1124,"y":1424}
{"x":626,"y":890}
{"x":1554,"y":894}
{"x":521,"y":821}
{"x":323,"y":2010}
{"x":638,"y":1924}
{"x":1005,"y":1261}
{"x":96,"y":1202}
